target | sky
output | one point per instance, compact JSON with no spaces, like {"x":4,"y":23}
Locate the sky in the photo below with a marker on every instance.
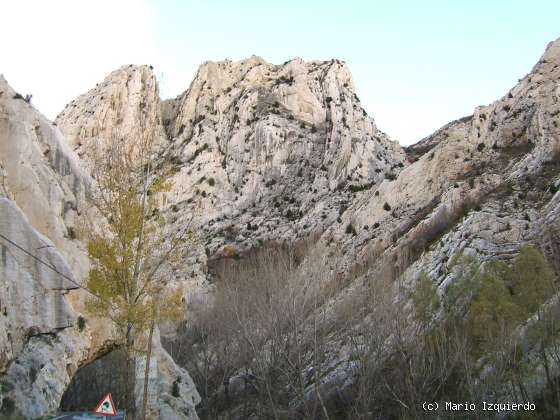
{"x":416,"y":65}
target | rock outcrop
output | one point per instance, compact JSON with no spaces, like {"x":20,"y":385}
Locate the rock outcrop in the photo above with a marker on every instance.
{"x":497,"y":164}
{"x":271,"y":152}
{"x":125,"y":105}
{"x":43,"y":193}
{"x":254,"y":152}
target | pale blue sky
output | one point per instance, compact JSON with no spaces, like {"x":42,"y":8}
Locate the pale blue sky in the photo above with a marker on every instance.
{"x":416,"y":65}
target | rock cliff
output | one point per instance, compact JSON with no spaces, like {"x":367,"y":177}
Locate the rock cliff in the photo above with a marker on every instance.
{"x":256,"y":152}
{"x":43,"y":193}
{"x":492,"y":174}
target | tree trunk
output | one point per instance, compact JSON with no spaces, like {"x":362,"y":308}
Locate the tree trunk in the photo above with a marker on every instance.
{"x":147,"y":371}
{"x":130,"y":375}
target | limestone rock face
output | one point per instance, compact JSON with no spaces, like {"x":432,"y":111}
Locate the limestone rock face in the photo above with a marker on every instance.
{"x":41,"y":174}
{"x":177,"y":394}
{"x":271,"y":152}
{"x":255,"y":151}
{"x":515,"y":176}
{"x":125,"y":105}
{"x":43,"y":193}
{"x":484,"y":185}
{"x":33,"y":304}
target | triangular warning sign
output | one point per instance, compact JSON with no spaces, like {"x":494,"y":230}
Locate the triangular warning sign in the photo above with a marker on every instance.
{"x":106,"y":406}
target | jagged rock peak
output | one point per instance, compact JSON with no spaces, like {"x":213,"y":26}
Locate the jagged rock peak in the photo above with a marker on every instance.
{"x":252,"y":94}
{"x":126,"y":103}
{"x":552,"y":52}
{"x":290,"y":141}
{"x":311,"y":85}
{"x":243,"y":135}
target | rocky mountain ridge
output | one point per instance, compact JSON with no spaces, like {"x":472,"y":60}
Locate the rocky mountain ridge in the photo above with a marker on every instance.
{"x":249,"y":136}
{"x":260,"y":154}
{"x":509,"y":144}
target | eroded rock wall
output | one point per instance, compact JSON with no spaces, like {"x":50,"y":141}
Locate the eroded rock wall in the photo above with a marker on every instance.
{"x":42,"y":260}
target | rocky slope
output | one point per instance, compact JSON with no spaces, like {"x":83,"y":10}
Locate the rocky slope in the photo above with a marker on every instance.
{"x":484,"y":186}
{"x":496,"y":166}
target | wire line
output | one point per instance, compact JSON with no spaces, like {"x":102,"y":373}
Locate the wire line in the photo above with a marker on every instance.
{"x":52,"y":267}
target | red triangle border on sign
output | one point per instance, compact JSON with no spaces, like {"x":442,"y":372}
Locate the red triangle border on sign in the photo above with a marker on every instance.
{"x":114,"y":413}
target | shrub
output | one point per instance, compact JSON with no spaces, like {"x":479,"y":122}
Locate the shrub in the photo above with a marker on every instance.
{"x":425,"y":300}
{"x":8,"y":406}
{"x":386,"y":207}
{"x":198,"y":152}
{"x":350,"y":230}
{"x":357,"y":188}
{"x":175,"y":388}
{"x":211,"y":182}
{"x":493,"y":312}
{"x":230,"y":251}
{"x":81,"y":323}
{"x":533,"y":279}
{"x":71,"y":233}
